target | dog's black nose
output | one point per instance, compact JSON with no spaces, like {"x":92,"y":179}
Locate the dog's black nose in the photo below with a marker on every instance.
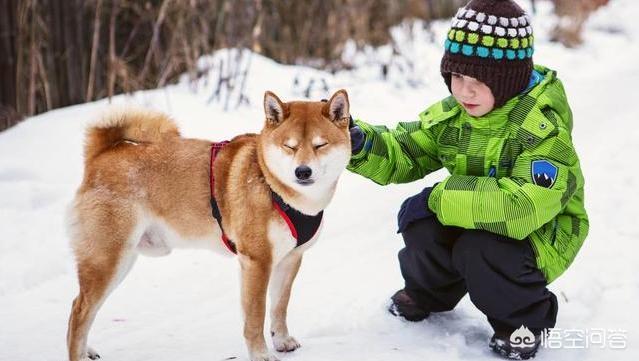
{"x":303,"y":172}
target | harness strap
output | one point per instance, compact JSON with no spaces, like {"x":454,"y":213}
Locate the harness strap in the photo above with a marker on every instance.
{"x":215,"y":148}
{"x":303,"y":227}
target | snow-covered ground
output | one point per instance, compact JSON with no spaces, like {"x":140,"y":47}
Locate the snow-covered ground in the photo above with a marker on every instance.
{"x":186,"y":306}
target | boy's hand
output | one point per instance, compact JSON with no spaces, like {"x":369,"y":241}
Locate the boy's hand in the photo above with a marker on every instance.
{"x":357,"y":137}
{"x":413,"y":209}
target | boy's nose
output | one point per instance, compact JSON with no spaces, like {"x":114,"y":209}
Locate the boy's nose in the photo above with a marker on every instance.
{"x":468,"y":91}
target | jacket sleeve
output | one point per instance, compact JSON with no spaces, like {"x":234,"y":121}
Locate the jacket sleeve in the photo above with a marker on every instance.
{"x":542,"y":181}
{"x":402,"y":155}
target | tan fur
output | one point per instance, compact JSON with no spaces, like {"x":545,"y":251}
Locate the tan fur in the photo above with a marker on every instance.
{"x":131,"y":125}
{"x":146,"y":190}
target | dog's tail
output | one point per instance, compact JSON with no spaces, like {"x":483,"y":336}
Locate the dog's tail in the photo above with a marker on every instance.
{"x":130,"y":125}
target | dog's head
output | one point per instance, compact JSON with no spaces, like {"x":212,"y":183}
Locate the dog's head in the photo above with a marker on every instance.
{"x":306,"y":144}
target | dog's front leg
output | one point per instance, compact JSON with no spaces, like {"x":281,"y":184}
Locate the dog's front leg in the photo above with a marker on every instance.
{"x":255,"y":276}
{"x":280,"y":292}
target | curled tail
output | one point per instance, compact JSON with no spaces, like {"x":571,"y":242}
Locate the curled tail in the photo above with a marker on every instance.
{"x":132,"y":125}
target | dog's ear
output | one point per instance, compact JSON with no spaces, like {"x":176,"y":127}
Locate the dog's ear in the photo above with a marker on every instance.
{"x":338,"y":108}
{"x":273,"y":108}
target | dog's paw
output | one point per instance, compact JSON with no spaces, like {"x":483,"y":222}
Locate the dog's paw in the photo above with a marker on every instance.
{"x":285,"y":343}
{"x":91,"y":354}
{"x":264,"y":357}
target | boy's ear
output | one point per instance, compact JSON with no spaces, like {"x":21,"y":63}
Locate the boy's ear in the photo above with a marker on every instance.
{"x":338,"y":108}
{"x":273,"y":108}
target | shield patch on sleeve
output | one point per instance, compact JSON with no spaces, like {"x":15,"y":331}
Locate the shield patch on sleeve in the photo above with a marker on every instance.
{"x":544,"y":173}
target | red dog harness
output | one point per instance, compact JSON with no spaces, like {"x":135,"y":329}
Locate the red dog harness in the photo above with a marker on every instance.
{"x":303,"y":227}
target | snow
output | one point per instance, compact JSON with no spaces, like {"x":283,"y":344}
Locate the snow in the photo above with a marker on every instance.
{"x":186,"y":306}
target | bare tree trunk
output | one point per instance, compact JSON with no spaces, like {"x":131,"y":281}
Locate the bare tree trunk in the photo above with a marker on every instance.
{"x":71,"y":52}
{"x":112,"y":57}
{"x":22,"y":11}
{"x":45,"y":82}
{"x":31,"y":100}
{"x":257,"y":28}
{"x":94,"y":50}
{"x":154,"y":40}
{"x":54,"y":22}
{"x":8,"y":62}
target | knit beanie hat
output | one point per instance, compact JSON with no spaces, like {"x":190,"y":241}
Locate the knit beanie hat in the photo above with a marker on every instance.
{"x":492,"y":41}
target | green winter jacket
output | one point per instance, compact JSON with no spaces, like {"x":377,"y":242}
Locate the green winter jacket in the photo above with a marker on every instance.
{"x":514,"y":171}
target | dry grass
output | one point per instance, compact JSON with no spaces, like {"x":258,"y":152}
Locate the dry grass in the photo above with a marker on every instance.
{"x":573,"y":14}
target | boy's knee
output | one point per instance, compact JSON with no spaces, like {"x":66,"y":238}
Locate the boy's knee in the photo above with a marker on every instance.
{"x":473,"y":241}
{"x":476,"y":252}
{"x":470,"y":248}
{"x":420,"y":233}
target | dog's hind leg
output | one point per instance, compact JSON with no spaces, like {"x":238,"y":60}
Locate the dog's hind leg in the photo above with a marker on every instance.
{"x":280,"y":292}
{"x":103,"y":260}
{"x":96,"y":283}
{"x":97,"y":280}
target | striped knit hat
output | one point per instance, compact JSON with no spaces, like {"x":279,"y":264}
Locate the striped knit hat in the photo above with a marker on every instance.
{"x":492,"y":41}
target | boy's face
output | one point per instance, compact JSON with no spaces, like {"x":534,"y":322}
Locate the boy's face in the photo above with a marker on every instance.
{"x":472,"y":94}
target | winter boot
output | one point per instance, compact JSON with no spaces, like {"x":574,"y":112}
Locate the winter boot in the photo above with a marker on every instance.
{"x":404,"y":306}
{"x":520,"y":348}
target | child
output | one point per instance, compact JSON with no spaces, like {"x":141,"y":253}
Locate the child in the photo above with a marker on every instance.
{"x":510,"y":218}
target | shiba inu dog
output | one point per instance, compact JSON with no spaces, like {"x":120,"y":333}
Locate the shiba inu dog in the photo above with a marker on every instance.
{"x":146,"y":190}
